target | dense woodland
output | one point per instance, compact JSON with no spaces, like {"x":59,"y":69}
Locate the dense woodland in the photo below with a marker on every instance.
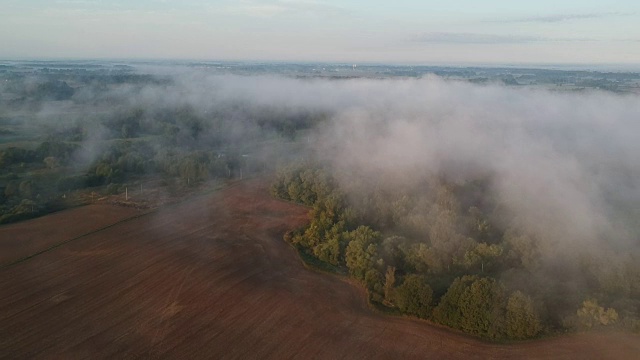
{"x":444,"y":251}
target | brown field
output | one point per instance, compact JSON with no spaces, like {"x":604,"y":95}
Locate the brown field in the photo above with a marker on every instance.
{"x":29,"y":237}
{"x":212,"y":278}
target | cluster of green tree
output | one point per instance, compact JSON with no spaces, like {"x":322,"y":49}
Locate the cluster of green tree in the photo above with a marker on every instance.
{"x":285,"y":123}
{"x":53,"y":84}
{"x":54,"y":150}
{"x":480,"y":306}
{"x":27,"y":197}
{"x":52,"y":90}
{"x":445,"y":252}
{"x":332,"y":225}
{"x":184,"y":127}
{"x":195,"y":166}
{"x":127,"y":160}
{"x":36,"y":179}
{"x":31,"y":193}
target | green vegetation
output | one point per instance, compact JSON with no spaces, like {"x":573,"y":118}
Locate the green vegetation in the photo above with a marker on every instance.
{"x":419,"y":252}
{"x":414,"y":296}
{"x":68,"y":137}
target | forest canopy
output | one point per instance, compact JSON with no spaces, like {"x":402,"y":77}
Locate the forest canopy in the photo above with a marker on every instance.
{"x":448,"y":253}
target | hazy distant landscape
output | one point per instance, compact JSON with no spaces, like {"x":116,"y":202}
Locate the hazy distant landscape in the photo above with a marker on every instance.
{"x":319,"y":179}
{"x":500,"y":202}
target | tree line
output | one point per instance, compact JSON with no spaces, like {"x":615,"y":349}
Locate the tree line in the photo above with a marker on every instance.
{"x":443,"y":253}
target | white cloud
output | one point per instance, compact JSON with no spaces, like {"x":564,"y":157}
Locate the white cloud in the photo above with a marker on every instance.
{"x":473,"y":38}
{"x":556,"y":18}
{"x":273,"y":8}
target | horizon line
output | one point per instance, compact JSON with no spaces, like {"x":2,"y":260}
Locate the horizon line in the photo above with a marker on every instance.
{"x":451,"y":64}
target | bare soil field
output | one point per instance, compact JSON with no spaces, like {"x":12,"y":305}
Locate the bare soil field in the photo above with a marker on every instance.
{"x":28,"y":237}
{"x":212,"y":278}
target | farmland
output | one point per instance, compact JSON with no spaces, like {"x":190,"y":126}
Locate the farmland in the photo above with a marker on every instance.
{"x":212,"y":278}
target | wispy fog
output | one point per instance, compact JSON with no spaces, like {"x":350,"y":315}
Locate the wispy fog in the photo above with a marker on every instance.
{"x":565,"y":164}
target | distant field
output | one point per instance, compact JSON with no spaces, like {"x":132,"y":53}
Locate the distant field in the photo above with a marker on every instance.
{"x":212,"y":278}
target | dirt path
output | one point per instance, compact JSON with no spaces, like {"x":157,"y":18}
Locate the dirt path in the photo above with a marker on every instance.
{"x":212,"y":278}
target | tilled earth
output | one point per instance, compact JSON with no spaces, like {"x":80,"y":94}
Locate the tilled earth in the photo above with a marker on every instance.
{"x":212,"y":278}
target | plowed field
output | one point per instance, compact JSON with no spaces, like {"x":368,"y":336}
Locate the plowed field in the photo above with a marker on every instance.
{"x":212,"y":278}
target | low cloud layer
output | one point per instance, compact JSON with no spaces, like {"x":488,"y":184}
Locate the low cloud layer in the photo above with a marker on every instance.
{"x":558,"y":18}
{"x":564,"y":163}
{"x":473,"y":38}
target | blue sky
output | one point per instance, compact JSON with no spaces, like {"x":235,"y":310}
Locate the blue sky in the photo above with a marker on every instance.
{"x":454,"y":31}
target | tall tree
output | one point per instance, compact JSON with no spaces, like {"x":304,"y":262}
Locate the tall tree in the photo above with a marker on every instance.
{"x":389,"y":283}
{"x":362,"y":251}
{"x":522,"y":321}
{"x":414,"y":296}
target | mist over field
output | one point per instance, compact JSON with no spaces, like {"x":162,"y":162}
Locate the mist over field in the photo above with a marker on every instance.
{"x":444,"y":185}
{"x":563,"y":163}
{"x":320,"y":179}
{"x":558,"y":166}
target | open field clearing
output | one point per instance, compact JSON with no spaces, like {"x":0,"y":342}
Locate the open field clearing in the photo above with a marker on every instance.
{"x":212,"y":278}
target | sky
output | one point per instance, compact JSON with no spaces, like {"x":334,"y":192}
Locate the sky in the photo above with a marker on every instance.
{"x":375,"y":31}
